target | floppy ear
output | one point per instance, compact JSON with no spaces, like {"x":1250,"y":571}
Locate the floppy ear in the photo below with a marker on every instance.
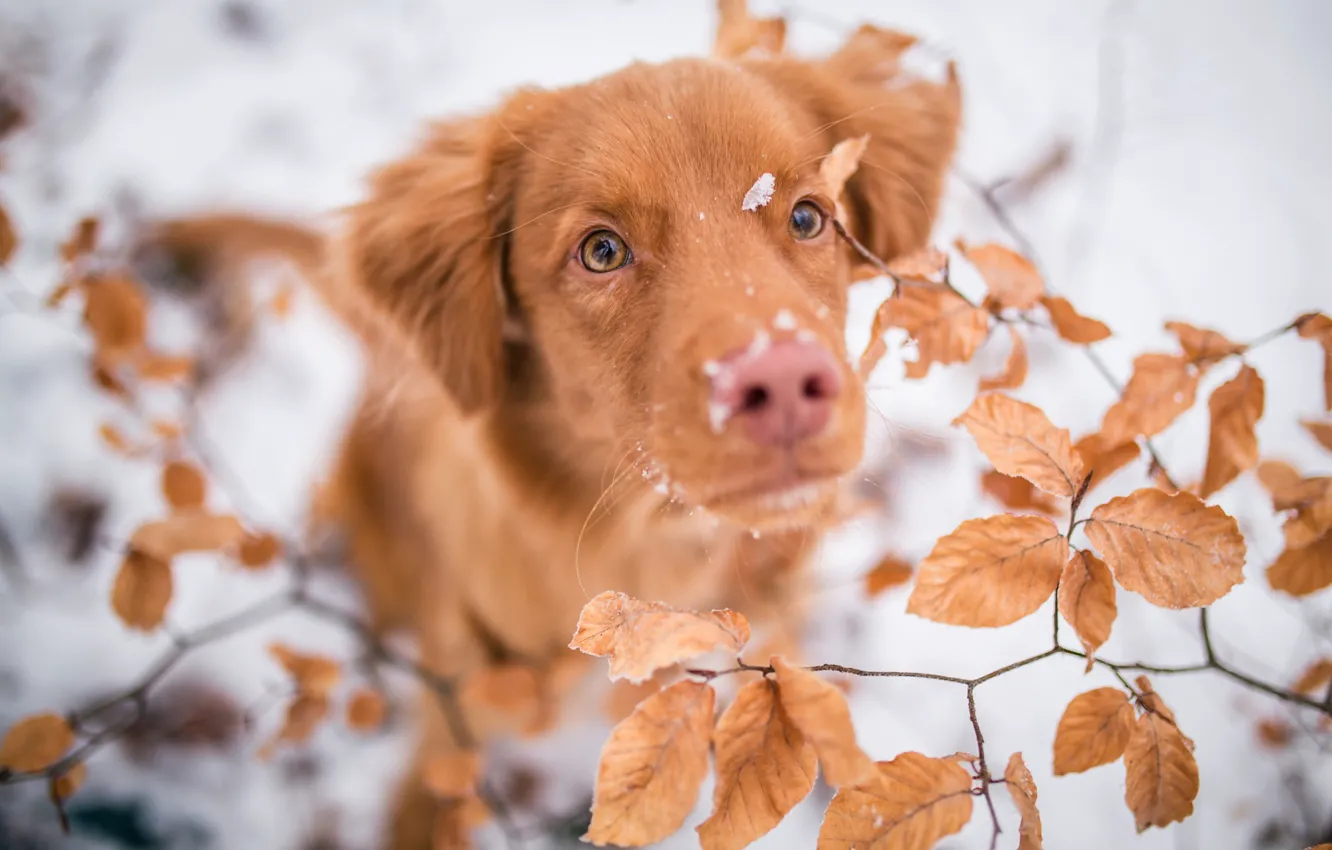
{"x":912,"y":124}
{"x":423,"y":248}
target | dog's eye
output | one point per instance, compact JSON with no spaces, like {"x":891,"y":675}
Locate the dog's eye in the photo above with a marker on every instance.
{"x":603,"y":251}
{"x":806,"y":220}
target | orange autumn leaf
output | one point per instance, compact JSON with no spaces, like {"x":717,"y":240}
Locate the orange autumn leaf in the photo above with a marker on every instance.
{"x":945,"y":327}
{"x":1274,"y":732}
{"x":1317,"y":326}
{"x":65,"y":785}
{"x":142,"y":590}
{"x":365,"y":710}
{"x":1014,"y":373}
{"x":316,"y":675}
{"x":1320,"y":431}
{"x":1315,"y":677}
{"x":165,"y":430}
{"x":186,"y":532}
{"x":1087,"y":600}
{"x":81,"y":241}
{"x":1072,"y":326}
{"x":1151,"y":701}
{"x":1303,"y":571}
{"x":303,"y":717}
{"x":183,"y":485}
{"x":1162,"y":387}
{"x":838,"y":166}
{"x":819,"y":710}
{"x":35,"y":743}
{"x":112,"y":436}
{"x":765,"y":766}
{"x":164,"y":367}
{"x":1018,"y":494}
{"x":1161,"y":773}
{"x":8,"y":237}
{"x":643,"y":637}
{"x":1020,"y":440}
{"x":1010,"y":277}
{"x":891,"y":571}
{"x":1202,"y":345}
{"x":927,"y":264}
{"x":990,"y":572}
{"x":1278,"y":477}
{"x":652,"y":767}
{"x":1311,"y":500}
{"x":1103,"y":460}
{"x":453,"y":775}
{"x":738,"y":32}
{"x":1023,"y":790}
{"x":256,"y":551}
{"x":1093,"y":730}
{"x":116,"y":313}
{"x":912,"y":803}
{"x":1235,"y":407}
{"x":1173,"y":549}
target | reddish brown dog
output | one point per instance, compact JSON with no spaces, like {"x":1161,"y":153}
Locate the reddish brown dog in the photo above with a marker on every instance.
{"x":592,"y":368}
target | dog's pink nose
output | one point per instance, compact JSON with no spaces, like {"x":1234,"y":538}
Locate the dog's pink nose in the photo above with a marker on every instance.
{"x":780,"y":395}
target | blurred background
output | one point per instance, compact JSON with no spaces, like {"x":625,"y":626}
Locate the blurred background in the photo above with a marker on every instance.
{"x":1165,"y":159}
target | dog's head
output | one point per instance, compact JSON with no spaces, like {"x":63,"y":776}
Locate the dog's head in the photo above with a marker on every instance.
{"x":651,"y":260}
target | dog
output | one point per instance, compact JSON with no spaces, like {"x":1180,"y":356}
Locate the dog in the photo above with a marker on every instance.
{"x":605,"y":327}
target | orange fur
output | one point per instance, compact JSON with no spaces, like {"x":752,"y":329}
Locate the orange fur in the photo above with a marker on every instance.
{"x":520,"y":410}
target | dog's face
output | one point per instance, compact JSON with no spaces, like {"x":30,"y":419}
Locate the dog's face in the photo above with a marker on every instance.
{"x":602,"y":251}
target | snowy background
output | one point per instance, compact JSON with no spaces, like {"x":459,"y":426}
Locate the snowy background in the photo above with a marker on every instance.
{"x":1198,"y":187}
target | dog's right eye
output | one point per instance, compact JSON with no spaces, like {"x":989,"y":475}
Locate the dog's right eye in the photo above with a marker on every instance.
{"x":603,"y":251}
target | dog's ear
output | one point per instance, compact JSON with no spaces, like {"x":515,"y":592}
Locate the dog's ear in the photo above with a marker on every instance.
{"x":424,"y":248}
{"x":912,"y":123}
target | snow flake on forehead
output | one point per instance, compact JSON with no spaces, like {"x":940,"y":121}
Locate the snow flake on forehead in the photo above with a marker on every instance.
{"x":760,"y":193}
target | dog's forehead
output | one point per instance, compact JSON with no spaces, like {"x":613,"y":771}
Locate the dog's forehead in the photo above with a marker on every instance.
{"x":686,"y":128}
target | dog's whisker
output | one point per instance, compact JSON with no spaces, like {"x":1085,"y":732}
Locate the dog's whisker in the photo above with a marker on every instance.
{"x":534,"y":219}
{"x":587,"y":521}
{"x":536,"y":152}
{"x":914,"y":191}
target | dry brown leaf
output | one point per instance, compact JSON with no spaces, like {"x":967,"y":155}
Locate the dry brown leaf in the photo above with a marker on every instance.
{"x":164,"y":367}
{"x":1202,"y":345}
{"x":1150,"y":700}
{"x":1315,"y":677}
{"x":738,"y":32}
{"x":1072,"y":326}
{"x":187,"y":532}
{"x":1102,"y":460}
{"x":103,"y":377}
{"x":58,"y":295}
{"x":652,"y":767}
{"x":453,"y":775}
{"x":990,"y":572}
{"x":304,"y":715}
{"x":1174,"y":550}
{"x":8,"y":237}
{"x":316,"y":675}
{"x":819,"y":710}
{"x":1020,"y":440}
{"x":111,"y":435}
{"x":891,"y":571}
{"x":35,"y":743}
{"x":1278,"y":477}
{"x":1235,"y":406}
{"x":838,"y":166}
{"x":1274,"y":732}
{"x":1320,"y":431}
{"x":256,"y":551}
{"x":365,"y":710}
{"x":1014,"y":373}
{"x":1162,"y":387}
{"x":928,"y":264}
{"x":1023,"y":789}
{"x":1011,"y":278}
{"x":68,"y":783}
{"x":81,"y":241}
{"x":1092,"y":731}
{"x":643,"y":637}
{"x":1311,"y":499}
{"x":1087,"y":600}
{"x":1318,"y":327}
{"x":116,"y":313}
{"x":1301,"y":572}
{"x":911,"y":804}
{"x":183,"y":485}
{"x":945,"y":327}
{"x":165,"y":430}
{"x":1161,"y":773}
{"x":1018,"y":494}
{"x":764,"y":768}
{"x":142,"y":590}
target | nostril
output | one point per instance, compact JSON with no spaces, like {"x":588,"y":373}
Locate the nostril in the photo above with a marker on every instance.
{"x":814,"y":388}
{"x":755,"y":399}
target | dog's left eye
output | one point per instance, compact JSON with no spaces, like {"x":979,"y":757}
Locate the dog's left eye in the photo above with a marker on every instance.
{"x":603,"y":251}
{"x":806,"y":220}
